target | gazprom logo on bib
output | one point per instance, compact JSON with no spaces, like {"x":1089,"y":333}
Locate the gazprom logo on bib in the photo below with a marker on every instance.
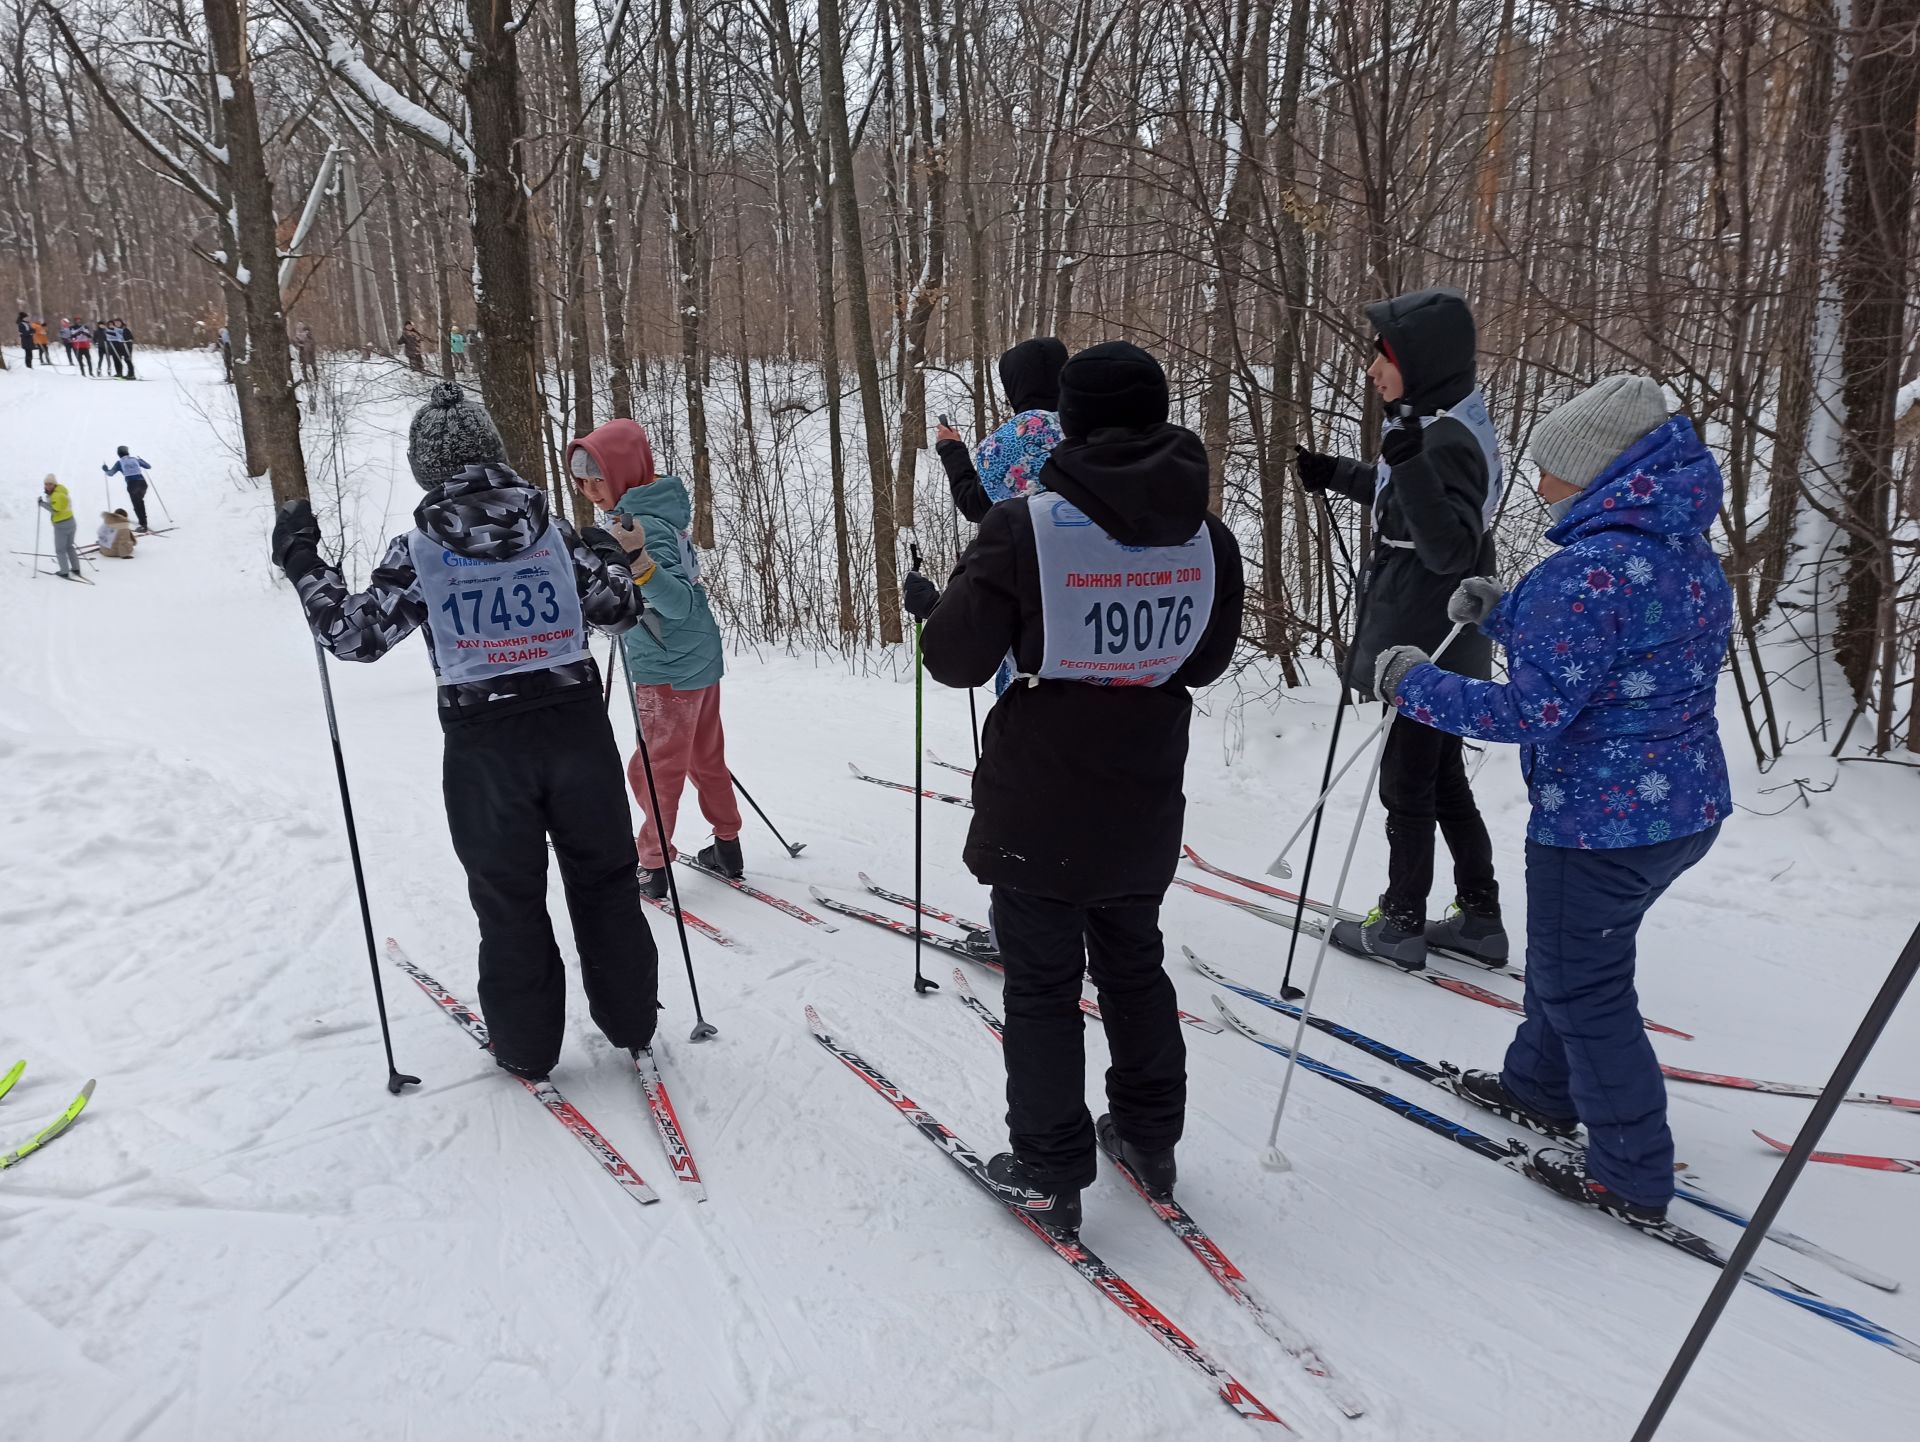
{"x":1066,"y":513}
{"x":454,"y":558}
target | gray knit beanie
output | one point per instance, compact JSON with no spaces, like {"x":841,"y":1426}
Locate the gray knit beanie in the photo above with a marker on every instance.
{"x":1582,"y":437}
{"x":450,"y":432}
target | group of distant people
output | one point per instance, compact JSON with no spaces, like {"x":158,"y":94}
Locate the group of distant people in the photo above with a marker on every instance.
{"x":98,"y":349}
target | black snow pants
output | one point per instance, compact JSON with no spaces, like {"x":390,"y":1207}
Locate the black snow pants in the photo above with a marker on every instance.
{"x":1048,"y":946}
{"x":1423,"y":783}
{"x":137,"y":493}
{"x":511,"y":782}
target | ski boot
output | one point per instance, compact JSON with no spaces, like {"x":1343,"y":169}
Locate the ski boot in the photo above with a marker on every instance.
{"x":1156,"y":1170}
{"x":1400,"y":941}
{"x":1484,"y":1088}
{"x":723,"y":858}
{"x":1474,"y":934}
{"x":653,"y":882}
{"x":1564,"y":1170}
{"x":1057,"y":1209}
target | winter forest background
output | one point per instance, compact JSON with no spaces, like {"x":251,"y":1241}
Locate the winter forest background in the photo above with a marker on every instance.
{"x":786,"y":233}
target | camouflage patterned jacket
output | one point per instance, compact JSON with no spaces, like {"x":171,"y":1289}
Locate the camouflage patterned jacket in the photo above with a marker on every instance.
{"x":489,"y":513}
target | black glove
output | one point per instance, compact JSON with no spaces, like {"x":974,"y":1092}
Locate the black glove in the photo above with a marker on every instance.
{"x":1402,"y":443}
{"x":1316,"y":471}
{"x":296,"y":538}
{"x":919,"y":596}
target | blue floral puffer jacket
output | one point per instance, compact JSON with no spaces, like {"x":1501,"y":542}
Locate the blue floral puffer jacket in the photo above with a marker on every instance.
{"x":1613,"y":648}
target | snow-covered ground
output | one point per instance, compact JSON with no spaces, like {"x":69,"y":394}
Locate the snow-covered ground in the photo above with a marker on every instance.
{"x":245,"y":1236}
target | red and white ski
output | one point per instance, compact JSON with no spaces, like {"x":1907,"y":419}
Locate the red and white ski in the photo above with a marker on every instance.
{"x":1785,"y":1089}
{"x":1310,"y":926}
{"x":778,"y":903}
{"x":705,"y":928}
{"x":860,"y":775}
{"x":1850,"y":1159}
{"x":545,"y":1092}
{"x":1070,"y":1249}
{"x":673,"y":1137}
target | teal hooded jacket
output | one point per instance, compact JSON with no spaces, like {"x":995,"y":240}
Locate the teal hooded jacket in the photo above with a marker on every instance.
{"x":686,"y":654}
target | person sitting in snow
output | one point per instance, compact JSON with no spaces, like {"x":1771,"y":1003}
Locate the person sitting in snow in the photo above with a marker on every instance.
{"x":504,"y":592}
{"x":674,"y":657}
{"x":115,"y":537}
{"x":1614,"y":646}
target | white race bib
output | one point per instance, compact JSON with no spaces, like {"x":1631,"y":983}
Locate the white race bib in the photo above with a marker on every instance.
{"x":493,"y":618}
{"x":1116,"y":615}
{"x":1471,"y":413}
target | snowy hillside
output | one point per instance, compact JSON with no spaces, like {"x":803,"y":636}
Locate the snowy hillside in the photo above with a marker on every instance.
{"x":245,"y":1236}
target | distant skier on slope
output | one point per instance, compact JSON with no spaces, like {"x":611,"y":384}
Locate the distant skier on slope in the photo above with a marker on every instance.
{"x":1613,"y":646}
{"x":133,"y":470}
{"x":1116,"y":592}
{"x":505,"y":593}
{"x":674,"y":656}
{"x":1433,"y":494}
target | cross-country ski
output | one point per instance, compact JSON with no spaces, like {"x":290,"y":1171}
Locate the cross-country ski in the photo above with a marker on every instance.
{"x":51,"y":1130}
{"x":1863,"y":1160}
{"x":927,"y":792}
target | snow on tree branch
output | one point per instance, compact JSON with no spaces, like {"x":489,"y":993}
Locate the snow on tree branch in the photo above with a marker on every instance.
{"x":340,"y":56}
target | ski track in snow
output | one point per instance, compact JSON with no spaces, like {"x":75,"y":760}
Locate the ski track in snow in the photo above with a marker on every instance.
{"x":246,"y":1236}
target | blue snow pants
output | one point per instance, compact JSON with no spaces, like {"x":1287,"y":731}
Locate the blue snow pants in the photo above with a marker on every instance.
{"x":1583,"y":1051}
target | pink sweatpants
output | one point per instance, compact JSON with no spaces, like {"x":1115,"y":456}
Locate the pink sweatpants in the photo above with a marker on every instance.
{"x":685,"y":740}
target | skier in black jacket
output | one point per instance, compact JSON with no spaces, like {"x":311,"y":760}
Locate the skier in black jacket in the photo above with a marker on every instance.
{"x":505,"y":593}
{"x":1115,"y":591}
{"x":1433,"y":493}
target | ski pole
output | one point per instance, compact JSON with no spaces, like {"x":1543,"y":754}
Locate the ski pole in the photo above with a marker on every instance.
{"x":702,"y":1028}
{"x":920,"y":982}
{"x":1280,"y":867}
{"x":396,"y":1079}
{"x":162,"y":500}
{"x":1831,"y":1096}
{"x":36,"y":543}
{"x":1359,"y":582}
{"x":793,"y":848}
{"x":1275,"y":1159}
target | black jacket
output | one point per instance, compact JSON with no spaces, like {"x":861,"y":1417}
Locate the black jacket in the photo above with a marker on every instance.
{"x":1435,"y":500}
{"x":1078,"y":794}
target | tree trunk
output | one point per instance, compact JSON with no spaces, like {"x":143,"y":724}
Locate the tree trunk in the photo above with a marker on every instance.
{"x":502,"y":232}
{"x":1883,"y":99}
{"x":276,"y":409}
{"x":833,"y":116}
{"x":930,"y":290}
{"x":572,"y":193}
{"x":686,"y":223}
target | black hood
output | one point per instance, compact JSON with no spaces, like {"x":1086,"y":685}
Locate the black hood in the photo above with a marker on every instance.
{"x":1030,"y":374}
{"x":486,"y":512}
{"x":1430,"y":336}
{"x":1143,"y":488}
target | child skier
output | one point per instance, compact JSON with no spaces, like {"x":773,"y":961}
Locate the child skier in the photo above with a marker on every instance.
{"x":1009,"y":460}
{"x":674,"y":658}
{"x":1613,"y":644}
{"x":504,"y":593}
{"x":134,"y":471}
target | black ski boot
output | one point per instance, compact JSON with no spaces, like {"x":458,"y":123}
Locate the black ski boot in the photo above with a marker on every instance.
{"x":1055,"y":1208}
{"x":724,"y":857}
{"x":1565,"y":1171}
{"x":1156,"y":1170}
{"x":1399,"y":940}
{"x":1478,"y":935}
{"x":1484,"y":1088}
{"x":653,"y":882}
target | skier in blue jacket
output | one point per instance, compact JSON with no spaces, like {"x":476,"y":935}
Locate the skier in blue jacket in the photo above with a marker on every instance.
{"x":1614,"y":646}
{"x":133,"y":469}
